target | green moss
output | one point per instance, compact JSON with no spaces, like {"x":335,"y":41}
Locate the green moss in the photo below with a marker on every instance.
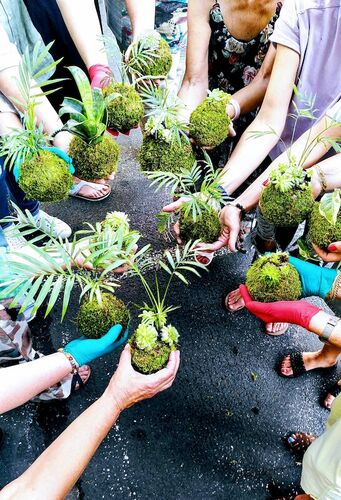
{"x":160,"y":65}
{"x":286,"y":209}
{"x":207,"y":228}
{"x":272,"y":278}
{"x":321,"y":232}
{"x":150,"y":361}
{"x":94,"y":161}
{"x":157,"y":154}
{"x":209,"y":122}
{"x":94,"y":320}
{"x":125,"y":112}
{"x":45,"y":177}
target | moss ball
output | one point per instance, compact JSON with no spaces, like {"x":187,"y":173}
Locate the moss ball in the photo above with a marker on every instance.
{"x":125,"y":112}
{"x":150,"y":361}
{"x":321,"y":232}
{"x":94,"y":320}
{"x":272,"y":278}
{"x":286,"y":209}
{"x":45,"y":177}
{"x":157,"y":154}
{"x":159,"y":65}
{"x":206,"y":228}
{"x":94,"y":161}
{"x":209,"y":122}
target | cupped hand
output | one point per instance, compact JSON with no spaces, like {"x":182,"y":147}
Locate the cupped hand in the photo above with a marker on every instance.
{"x":127,"y":386}
{"x":230,"y":216}
{"x":297,"y":312}
{"x":86,"y":350}
{"x":332,"y":255}
{"x":100,"y":76}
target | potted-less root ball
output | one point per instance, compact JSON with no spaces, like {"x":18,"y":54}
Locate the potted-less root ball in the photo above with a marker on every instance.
{"x":94,"y":153}
{"x":165,"y":145}
{"x":42,"y":172}
{"x":287,"y":199}
{"x":199,"y":216}
{"x":325,"y":220}
{"x":87,"y":263}
{"x":155,"y":338}
{"x":125,"y":107}
{"x":209,"y":122}
{"x":272,"y":278}
{"x":150,"y":56}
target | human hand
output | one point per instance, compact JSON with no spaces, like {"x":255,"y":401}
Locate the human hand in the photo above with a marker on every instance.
{"x":230,"y":217}
{"x":315,"y":280}
{"x":298,"y":312}
{"x":86,"y":350}
{"x":62,"y":140}
{"x":333,"y":254}
{"x":100,"y":76}
{"x":127,"y":386}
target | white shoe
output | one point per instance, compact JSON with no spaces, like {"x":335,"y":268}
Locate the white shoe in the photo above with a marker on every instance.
{"x":14,"y":238}
{"x":53,"y":225}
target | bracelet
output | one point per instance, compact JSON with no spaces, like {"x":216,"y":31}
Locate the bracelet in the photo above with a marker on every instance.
{"x":336,"y":287}
{"x":56,"y":132}
{"x":322,"y":177}
{"x":236,"y":107}
{"x":71,"y":359}
{"x":240,"y":207}
{"x":328,"y":329}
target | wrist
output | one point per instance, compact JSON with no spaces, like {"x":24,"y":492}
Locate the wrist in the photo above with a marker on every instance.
{"x":73,"y":364}
{"x":318,"y":181}
{"x":233,"y":109}
{"x":241,"y":210}
{"x":112,"y":398}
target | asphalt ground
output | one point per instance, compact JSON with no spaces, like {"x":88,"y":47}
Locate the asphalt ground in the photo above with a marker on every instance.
{"x":217,"y":433}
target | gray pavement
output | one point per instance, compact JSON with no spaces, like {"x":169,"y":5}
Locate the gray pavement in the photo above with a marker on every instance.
{"x":217,"y":432}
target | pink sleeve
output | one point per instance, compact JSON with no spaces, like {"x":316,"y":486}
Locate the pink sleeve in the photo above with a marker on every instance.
{"x":286,"y":28}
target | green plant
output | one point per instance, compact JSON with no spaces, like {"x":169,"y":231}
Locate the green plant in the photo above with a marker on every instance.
{"x":288,"y":199}
{"x":154,"y":339}
{"x":325,"y":220}
{"x":126,"y":110}
{"x":150,"y":56}
{"x":209,"y":122}
{"x":272,"y":278}
{"x":53,"y":271}
{"x":94,"y":154}
{"x":199,"y":217}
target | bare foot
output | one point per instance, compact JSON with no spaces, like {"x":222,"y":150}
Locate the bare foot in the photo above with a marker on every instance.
{"x":311,"y":360}
{"x":299,"y":442}
{"x":330,"y":398}
{"x":84,"y":373}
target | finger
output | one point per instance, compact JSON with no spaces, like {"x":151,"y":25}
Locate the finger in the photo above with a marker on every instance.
{"x":166,"y":374}
{"x":232,"y":132}
{"x":125,"y":358}
{"x":233,"y":237}
{"x":176,"y":229}
{"x":211,"y":247}
{"x":112,"y":335}
{"x":325,"y":256}
{"x":335,"y":247}
{"x":245,"y":294}
{"x":172,"y":207}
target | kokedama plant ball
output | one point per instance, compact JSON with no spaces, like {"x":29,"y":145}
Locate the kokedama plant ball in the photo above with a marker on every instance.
{"x":158,"y":66}
{"x":150,"y":361}
{"x":209,"y":122}
{"x":272,"y":278}
{"x":125,"y":112}
{"x":206,"y":228}
{"x":94,"y":320}
{"x":321,"y":232}
{"x":45,"y":177}
{"x":157,"y":154}
{"x":94,"y":161}
{"x":286,"y":209}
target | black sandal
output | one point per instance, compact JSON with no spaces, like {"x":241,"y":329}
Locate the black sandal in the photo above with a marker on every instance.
{"x":77,"y":379}
{"x":297,"y":364}
{"x":334,"y":391}
{"x":299,"y":443}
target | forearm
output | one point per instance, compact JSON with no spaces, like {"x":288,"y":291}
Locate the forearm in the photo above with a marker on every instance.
{"x":142,"y":16}
{"x":192,"y":93}
{"x":56,"y":471}
{"x":318,"y":323}
{"x":21,"y":383}
{"x":81,"y":19}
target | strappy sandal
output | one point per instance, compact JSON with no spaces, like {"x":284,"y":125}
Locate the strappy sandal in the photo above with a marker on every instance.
{"x":77,"y":379}
{"x":299,"y":442}
{"x":74,"y":191}
{"x":226,"y":304}
{"x":334,"y":391}
{"x":297,"y":364}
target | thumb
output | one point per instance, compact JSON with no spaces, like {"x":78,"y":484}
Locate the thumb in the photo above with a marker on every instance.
{"x":172,"y":207}
{"x":234,"y":232}
{"x":112,"y":334}
{"x":245,"y":294}
{"x":232,"y":132}
{"x":125,"y":358}
{"x":335,"y":247}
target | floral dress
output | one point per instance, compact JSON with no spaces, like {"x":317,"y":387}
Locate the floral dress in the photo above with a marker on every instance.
{"x":233,"y":64}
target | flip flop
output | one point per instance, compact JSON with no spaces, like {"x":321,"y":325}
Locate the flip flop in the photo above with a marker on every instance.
{"x":208,"y":256}
{"x":74,"y":191}
{"x":226,"y":304}
{"x":279,"y":332}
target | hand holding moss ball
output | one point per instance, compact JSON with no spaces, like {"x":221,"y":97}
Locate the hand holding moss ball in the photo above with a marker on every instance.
{"x":94,"y":161}
{"x":206,"y":228}
{"x":322,"y":232}
{"x":272,"y":278}
{"x":95,"y":319}
{"x":125,"y":111}
{"x":209,"y":122}
{"x":151,"y":55}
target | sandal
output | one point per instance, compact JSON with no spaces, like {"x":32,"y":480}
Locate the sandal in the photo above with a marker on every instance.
{"x":77,"y":382}
{"x":74,"y":191}
{"x":299,"y":442}
{"x":226,"y":304}
{"x":334,"y":391}
{"x":297,"y":364}
{"x":279,"y":332}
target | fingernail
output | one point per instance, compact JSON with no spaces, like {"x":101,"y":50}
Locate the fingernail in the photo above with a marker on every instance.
{"x":332,"y":248}
{"x":266,"y":183}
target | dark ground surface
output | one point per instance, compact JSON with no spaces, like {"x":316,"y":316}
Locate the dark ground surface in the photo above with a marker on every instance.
{"x":217,"y":432}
